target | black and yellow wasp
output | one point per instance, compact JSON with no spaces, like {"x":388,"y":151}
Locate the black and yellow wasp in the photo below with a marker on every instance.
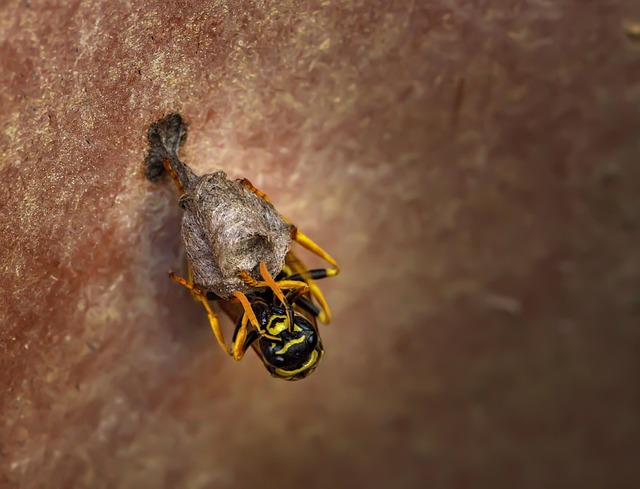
{"x":236,"y":243}
{"x":288,"y":352}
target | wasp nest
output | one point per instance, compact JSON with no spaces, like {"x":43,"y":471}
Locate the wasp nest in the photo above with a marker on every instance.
{"x":226,"y":228}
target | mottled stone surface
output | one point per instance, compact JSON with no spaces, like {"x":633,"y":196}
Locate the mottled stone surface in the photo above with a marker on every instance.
{"x":474,"y":167}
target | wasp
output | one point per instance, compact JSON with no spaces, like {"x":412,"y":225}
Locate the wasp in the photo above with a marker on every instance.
{"x":236,"y":243}
{"x":287,"y":340}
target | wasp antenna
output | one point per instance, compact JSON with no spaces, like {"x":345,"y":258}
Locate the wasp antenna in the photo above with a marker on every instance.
{"x":266,"y":276}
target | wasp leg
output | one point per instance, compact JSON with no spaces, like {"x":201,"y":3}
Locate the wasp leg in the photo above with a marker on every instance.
{"x":276,"y":287}
{"x":174,"y":176}
{"x":201,"y":296}
{"x":297,"y":235}
{"x":308,"y":306}
{"x":307,"y":243}
{"x":282,"y":284}
{"x":237,"y":348}
{"x":249,"y":186}
{"x":277,"y":290}
{"x":295,"y":263}
{"x":300,"y":269}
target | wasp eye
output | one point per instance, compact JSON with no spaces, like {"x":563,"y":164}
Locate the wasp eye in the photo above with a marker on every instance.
{"x":312,"y":339}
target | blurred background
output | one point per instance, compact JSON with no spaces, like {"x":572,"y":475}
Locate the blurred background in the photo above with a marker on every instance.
{"x":473,"y":166}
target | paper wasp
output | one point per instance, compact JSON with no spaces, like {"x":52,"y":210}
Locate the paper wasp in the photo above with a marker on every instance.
{"x":236,"y":242}
{"x":287,"y":353}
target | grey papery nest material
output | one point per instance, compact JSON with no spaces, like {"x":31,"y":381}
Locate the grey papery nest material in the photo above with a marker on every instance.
{"x":226,"y":228}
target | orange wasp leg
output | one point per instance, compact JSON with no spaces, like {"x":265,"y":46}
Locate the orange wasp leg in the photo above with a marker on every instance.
{"x":201,"y":296}
{"x":173,"y":176}
{"x":296,"y":264}
{"x":237,"y":349}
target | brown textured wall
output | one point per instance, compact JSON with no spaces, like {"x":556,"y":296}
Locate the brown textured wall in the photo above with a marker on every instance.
{"x":474,"y":166}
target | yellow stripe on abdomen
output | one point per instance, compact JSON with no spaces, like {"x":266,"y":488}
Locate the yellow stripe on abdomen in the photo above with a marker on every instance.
{"x":288,"y":345}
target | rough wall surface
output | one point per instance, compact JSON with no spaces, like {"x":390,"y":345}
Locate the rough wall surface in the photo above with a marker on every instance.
{"x":473,"y":165}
